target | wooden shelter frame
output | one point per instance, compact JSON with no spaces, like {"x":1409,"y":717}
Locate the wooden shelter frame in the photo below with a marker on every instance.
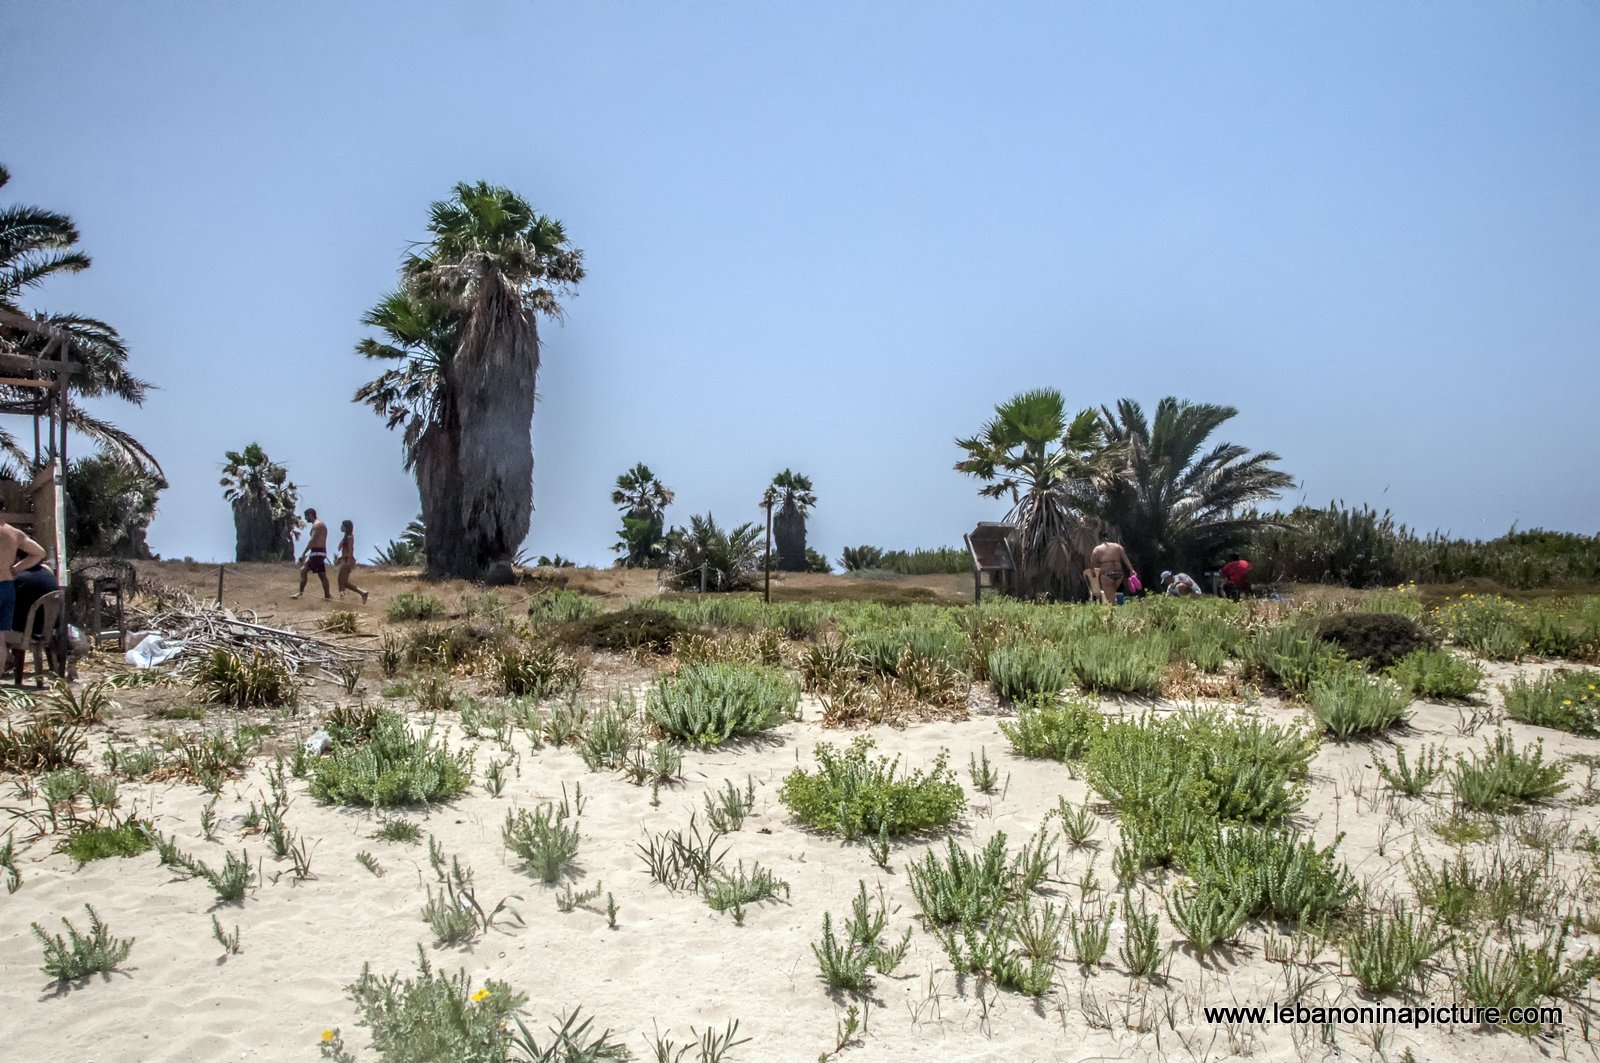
{"x":43,"y":379}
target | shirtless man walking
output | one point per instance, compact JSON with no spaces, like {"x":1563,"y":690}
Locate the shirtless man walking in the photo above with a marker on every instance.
{"x":315,"y":556}
{"x":14,"y":542}
{"x":1108,"y":568}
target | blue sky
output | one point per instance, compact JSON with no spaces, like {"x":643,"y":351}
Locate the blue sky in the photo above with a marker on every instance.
{"x":832,"y":236}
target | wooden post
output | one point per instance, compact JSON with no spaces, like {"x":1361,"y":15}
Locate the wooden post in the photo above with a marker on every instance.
{"x":220,"y":570}
{"x":702,"y":577}
{"x":766,"y":589}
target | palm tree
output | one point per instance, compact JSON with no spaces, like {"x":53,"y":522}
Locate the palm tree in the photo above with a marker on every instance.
{"x":110,"y":504}
{"x":728,"y":559}
{"x":792,"y":494}
{"x":409,"y":550}
{"x":264,"y":504}
{"x":1179,"y":501}
{"x":464,"y":327}
{"x":1031,"y":453}
{"x":36,"y":245}
{"x":643,"y":500}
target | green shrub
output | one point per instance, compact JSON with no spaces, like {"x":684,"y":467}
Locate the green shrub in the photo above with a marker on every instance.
{"x":962,"y":887}
{"x":40,"y":744}
{"x":1485,"y":624}
{"x":1272,"y":872}
{"x":857,"y":795}
{"x":80,"y":955}
{"x":633,"y":628}
{"x":1120,"y":665}
{"x":128,"y":838}
{"x":1506,"y":777}
{"x":1052,"y":728}
{"x":1202,"y":762}
{"x":560,"y":605}
{"x":610,"y":735}
{"x":1349,"y":702}
{"x":1380,"y":639}
{"x":393,"y":767}
{"x":1020,"y":671}
{"x":883,"y":649}
{"x":860,"y":558}
{"x":1565,"y":699}
{"x":708,"y":703}
{"x":434,"y":1017}
{"x":1430,"y":673}
{"x":538,"y":671}
{"x":257,"y":680}
{"x":542,"y":839}
{"x":413,"y":606}
{"x":1387,"y":952}
{"x":1290,"y":659}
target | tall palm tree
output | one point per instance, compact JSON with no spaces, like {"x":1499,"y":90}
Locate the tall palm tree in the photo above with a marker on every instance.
{"x":264,"y":504}
{"x":36,"y":245}
{"x":643,"y":500}
{"x":464,"y":326}
{"x":1180,"y":501}
{"x":794,"y":499}
{"x":1032,"y":454}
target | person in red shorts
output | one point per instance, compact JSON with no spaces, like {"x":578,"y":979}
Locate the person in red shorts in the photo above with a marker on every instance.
{"x":1236,"y":577}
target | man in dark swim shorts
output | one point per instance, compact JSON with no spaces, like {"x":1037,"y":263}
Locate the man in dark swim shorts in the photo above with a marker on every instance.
{"x":315,"y":556}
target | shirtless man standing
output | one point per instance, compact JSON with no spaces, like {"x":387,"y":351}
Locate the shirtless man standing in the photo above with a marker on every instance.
{"x":315,"y":556}
{"x":14,"y":542}
{"x":1108,"y":568}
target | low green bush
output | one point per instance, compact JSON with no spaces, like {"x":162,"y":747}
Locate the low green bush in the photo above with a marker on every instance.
{"x":1022,"y":670}
{"x":537,"y":671}
{"x":1506,"y":777}
{"x":1379,"y":639}
{"x":855,"y":794}
{"x":633,"y":628}
{"x":413,"y":606}
{"x":1349,"y":702}
{"x":1565,"y":699}
{"x":709,"y":703}
{"x":80,"y":955}
{"x":1437,"y":673}
{"x":1119,"y":665}
{"x":90,"y":842}
{"x":559,"y":606}
{"x":392,"y":767}
{"x":1052,"y":728}
{"x":257,"y":680}
{"x":1290,"y":659}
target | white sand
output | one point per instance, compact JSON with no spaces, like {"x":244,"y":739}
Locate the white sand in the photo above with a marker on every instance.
{"x":671,"y":960}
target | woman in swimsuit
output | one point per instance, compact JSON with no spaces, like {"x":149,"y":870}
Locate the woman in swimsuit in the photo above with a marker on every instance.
{"x":347,"y":560}
{"x":1108,"y":567}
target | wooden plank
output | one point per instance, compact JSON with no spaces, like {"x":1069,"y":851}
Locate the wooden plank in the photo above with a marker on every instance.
{"x":27,"y":363}
{"x":24,"y":382}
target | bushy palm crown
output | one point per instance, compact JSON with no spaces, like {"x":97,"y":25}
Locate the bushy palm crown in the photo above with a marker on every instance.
{"x":251,"y":477}
{"x":639,"y":492}
{"x":420,"y":334}
{"x":36,"y":245}
{"x":792,"y":491}
{"x":1179,"y":500}
{"x":488,"y":239}
{"x":1033,"y":454}
{"x":643,"y":500}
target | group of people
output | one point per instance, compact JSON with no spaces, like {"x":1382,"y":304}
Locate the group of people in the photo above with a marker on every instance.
{"x":314,"y":558}
{"x":1110,"y":575}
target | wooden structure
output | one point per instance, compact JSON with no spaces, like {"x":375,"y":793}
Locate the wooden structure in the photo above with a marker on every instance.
{"x":992,"y":546}
{"x":33,"y":383}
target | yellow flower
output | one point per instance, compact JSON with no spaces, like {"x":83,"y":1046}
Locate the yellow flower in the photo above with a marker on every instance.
{"x":328,"y":1035}
{"x":1567,"y":701}
{"x":480,"y":995}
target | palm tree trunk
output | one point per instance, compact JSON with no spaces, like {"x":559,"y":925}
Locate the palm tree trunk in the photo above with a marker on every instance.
{"x":496,"y":368}
{"x":789,"y":532}
{"x":439,"y":489}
